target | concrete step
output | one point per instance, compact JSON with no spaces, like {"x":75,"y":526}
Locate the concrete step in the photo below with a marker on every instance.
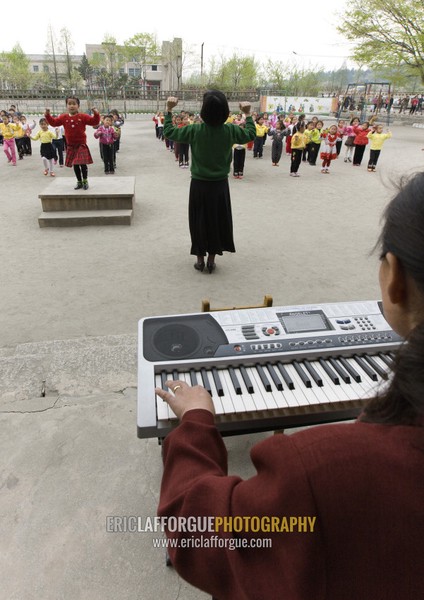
{"x":80,"y":218}
{"x":105,"y":193}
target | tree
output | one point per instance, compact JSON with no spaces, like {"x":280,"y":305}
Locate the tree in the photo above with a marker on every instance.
{"x":86,"y":70}
{"x":65,"y":46}
{"x":388,"y":33}
{"x":238,"y":72}
{"x":14,"y":69}
{"x":113,"y":59}
{"x":51,"y":53}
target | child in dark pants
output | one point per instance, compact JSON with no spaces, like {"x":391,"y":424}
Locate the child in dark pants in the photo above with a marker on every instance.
{"x":107,"y":135}
{"x":377,"y":139}
{"x":78,"y":154}
{"x":277,"y":135}
{"x":298,"y":143}
{"x":239,"y":157}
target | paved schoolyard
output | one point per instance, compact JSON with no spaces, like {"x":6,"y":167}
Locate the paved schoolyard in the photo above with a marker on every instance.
{"x":70,"y":301}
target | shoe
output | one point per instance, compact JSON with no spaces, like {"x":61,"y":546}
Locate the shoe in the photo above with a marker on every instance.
{"x":85,"y":185}
{"x":349,"y":160}
{"x":292,"y":174}
{"x":327,"y":171}
{"x":373,"y":169}
{"x":369,"y":169}
{"x":297,"y":174}
{"x":78,"y":186}
{"x":236,"y":175}
{"x":211,"y":267}
{"x":46,"y":171}
{"x":199,"y":266}
{"x":345,"y":159}
{"x":52,"y":175}
{"x":61,"y":166}
{"x":322,"y":170}
{"x":240,"y":176}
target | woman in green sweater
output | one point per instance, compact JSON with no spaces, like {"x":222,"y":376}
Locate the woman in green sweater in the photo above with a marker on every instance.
{"x":210,"y":217}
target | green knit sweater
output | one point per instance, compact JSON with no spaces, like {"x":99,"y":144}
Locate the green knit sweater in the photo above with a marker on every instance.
{"x":211,"y":147}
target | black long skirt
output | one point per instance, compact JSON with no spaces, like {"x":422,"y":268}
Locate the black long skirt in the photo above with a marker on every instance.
{"x":210,"y":217}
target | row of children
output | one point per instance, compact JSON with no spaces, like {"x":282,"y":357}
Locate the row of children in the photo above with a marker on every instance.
{"x":181,"y":151}
{"x":306,"y":141}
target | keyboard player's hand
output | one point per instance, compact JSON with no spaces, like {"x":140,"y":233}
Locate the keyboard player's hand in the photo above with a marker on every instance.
{"x":185,"y":397}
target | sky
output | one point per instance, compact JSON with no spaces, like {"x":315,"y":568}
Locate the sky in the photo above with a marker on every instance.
{"x":305,"y":36}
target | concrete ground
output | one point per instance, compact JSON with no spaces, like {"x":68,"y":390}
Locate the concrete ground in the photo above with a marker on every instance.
{"x":70,"y":301}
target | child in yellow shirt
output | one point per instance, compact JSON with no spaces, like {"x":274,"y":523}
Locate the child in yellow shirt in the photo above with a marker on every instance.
{"x":298,"y":144}
{"x":258,"y":144}
{"x":377,"y":139}
{"x":47,"y":151}
{"x":8,"y":131}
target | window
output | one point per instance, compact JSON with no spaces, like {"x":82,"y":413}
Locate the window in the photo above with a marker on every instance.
{"x":35,"y":68}
{"x":154,"y":67}
{"x":134,"y":72}
{"x":46,"y":68}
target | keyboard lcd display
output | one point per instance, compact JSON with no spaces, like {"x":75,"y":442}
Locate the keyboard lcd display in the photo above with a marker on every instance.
{"x":304,"y":322}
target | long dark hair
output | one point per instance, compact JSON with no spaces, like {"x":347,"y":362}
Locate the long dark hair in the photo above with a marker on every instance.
{"x":215,"y":109}
{"x":403,"y":236}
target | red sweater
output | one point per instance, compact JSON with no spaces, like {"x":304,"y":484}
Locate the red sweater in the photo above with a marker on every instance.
{"x":74,"y":125}
{"x":363,"y":482}
{"x":361,"y":136}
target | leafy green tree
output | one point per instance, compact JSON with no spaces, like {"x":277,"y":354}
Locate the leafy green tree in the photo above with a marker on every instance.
{"x":237,"y":73}
{"x":387,"y":33}
{"x":14,"y":69}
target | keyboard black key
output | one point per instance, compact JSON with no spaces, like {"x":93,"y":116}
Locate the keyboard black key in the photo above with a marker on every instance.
{"x":289,"y":381}
{"x":163,"y":378}
{"x":374,"y":365}
{"x":175,"y":375}
{"x":263,"y":377}
{"x":217,"y":381}
{"x":234,"y":380}
{"x":205,"y":380}
{"x":339,"y":369}
{"x":332,"y":375}
{"x":315,"y":376}
{"x":246,"y":380}
{"x":304,"y":376}
{"x":354,"y":374}
{"x":193,"y":377}
{"x":386,"y":359}
{"x":274,"y":377}
{"x":365,"y":367}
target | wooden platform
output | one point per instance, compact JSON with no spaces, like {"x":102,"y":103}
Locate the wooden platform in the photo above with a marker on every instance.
{"x":108,"y":201}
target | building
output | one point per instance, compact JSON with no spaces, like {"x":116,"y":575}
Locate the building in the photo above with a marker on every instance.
{"x":163,"y":72}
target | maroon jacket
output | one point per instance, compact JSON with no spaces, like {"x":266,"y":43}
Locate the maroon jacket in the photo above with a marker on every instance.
{"x":363,"y":482}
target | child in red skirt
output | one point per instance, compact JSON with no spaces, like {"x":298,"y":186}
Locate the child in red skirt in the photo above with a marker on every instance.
{"x":77,"y":152}
{"x":329,"y":150}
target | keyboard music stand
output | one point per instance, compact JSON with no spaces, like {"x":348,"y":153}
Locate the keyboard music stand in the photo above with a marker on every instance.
{"x":267,"y":302}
